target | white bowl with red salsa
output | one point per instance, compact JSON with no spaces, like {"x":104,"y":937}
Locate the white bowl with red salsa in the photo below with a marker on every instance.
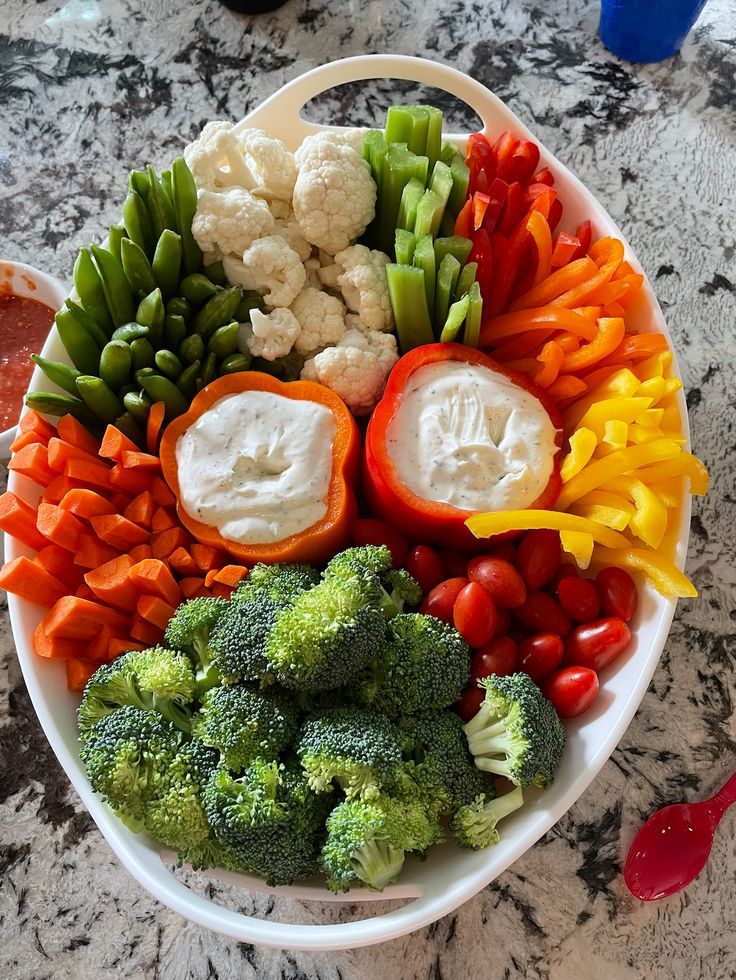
{"x":28,"y":301}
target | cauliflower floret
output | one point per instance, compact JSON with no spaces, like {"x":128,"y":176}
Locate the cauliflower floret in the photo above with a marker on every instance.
{"x":347,"y":137}
{"x":334,"y":195}
{"x":281,"y":210}
{"x":271,"y":267}
{"x":273,"y":167}
{"x":321,"y":317}
{"x":216,"y":158}
{"x":364,"y":285}
{"x":312,"y":267}
{"x":230,"y":220}
{"x":273,"y":334}
{"x":288,"y":228}
{"x":356,"y":369}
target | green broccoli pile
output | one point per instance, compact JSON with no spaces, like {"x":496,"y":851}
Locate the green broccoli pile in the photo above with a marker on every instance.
{"x":306,"y":725}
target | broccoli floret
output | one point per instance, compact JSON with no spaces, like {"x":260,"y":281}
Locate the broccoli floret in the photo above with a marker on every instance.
{"x":516,"y":732}
{"x":402,"y":591}
{"x":374,"y":558}
{"x":330,"y":633}
{"x":174,"y":812}
{"x":244,"y":722}
{"x":368,"y":840}
{"x":157,"y":679}
{"x":269,"y":818}
{"x":357,"y":748}
{"x":424,"y":664}
{"x":398,"y":588}
{"x":474,"y":825}
{"x":189,"y":630}
{"x":436,"y":743}
{"x":279,"y":582}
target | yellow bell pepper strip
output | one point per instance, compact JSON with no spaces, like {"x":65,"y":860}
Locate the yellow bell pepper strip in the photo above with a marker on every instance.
{"x":639,"y":434}
{"x":683,"y":464}
{"x":549,"y":363}
{"x":621,"y":409}
{"x":615,"y":436}
{"x":651,"y":418}
{"x":608,"y":516}
{"x":502,"y":521}
{"x":672,"y":418}
{"x":666,"y":578}
{"x":621,"y":384}
{"x":582,"y":445}
{"x":649,"y":520}
{"x":538,"y":228}
{"x":653,"y":367}
{"x":559,"y":283}
{"x":651,"y":388}
{"x":548,"y":318}
{"x":622,"y":461}
{"x":579,"y":545}
{"x":605,"y":498}
{"x":671,"y":385}
{"x":610,"y":334}
{"x":669,"y":492}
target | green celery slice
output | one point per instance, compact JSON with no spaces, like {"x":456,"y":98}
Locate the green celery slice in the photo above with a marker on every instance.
{"x":399,"y":167}
{"x":409,"y":305}
{"x":374,"y":151}
{"x":424,"y":259}
{"x":447,"y":225}
{"x":420,"y":121}
{"x":466,"y":279}
{"x":474,"y":316}
{"x":441,"y":182}
{"x":429,"y":214}
{"x":460,"y":179}
{"x":453,"y":245}
{"x":404,"y":243}
{"x":433,"y":146}
{"x":448,"y":152}
{"x":410,"y":197}
{"x":399,"y":125}
{"x":447,"y":277}
{"x":455,"y":319}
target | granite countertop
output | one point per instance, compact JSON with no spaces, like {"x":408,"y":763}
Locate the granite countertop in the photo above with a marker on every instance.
{"x":90,"y":88}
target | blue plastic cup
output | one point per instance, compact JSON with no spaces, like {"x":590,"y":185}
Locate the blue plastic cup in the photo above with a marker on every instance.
{"x":647,"y":30}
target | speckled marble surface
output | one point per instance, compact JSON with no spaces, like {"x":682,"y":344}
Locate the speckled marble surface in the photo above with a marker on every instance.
{"x":90,"y":88}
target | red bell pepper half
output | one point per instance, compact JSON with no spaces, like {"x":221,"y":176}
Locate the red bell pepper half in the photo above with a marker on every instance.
{"x":420,"y":519}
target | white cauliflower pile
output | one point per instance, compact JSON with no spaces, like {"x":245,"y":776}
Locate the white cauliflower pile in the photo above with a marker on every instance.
{"x":282,"y":224}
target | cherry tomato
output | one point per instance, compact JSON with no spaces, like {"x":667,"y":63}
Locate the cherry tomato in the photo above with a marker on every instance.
{"x":496,"y":657}
{"x":541,"y":613}
{"x":538,"y":557}
{"x":598,"y":643}
{"x":518,"y":633}
{"x":540,"y":654}
{"x":455,"y":564}
{"x":474,"y":615}
{"x":368,"y":530}
{"x":425,"y":565}
{"x":441,"y":599}
{"x":500,"y":578}
{"x":618,"y":593}
{"x":470,"y":700}
{"x":503,"y":622}
{"x":579,"y":598}
{"x":571,"y":690}
{"x":566,"y":570}
{"x":506,"y":551}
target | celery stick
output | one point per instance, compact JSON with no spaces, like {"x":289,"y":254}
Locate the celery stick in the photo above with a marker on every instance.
{"x":409,"y":304}
{"x":441,"y":181}
{"x":420,"y":123}
{"x":374,"y":151}
{"x":433,"y":146}
{"x":474,"y":316}
{"x":447,"y":225}
{"x":404,"y":243}
{"x":453,"y":245}
{"x":448,"y":152}
{"x":424,"y":259}
{"x":466,"y":279}
{"x":460,"y":178}
{"x":399,"y":125}
{"x":447,"y":277}
{"x":399,"y":167}
{"x":410,"y":198}
{"x":455,"y":319}
{"x":429,"y":214}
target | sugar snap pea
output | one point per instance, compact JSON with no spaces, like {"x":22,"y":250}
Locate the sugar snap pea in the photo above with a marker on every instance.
{"x":167,"y":262}
{"x":116,"y":361}
{"x":251,"y":301}
{"x":138,"y":182}
{"x":166,"y":184}
{"x":235,"y":363}
{"x":191,"y":348}
{"x":185,"y":205}
{"x":87,"y":324}
{"x":217,"y":311}
{"x":144,"y":372}
{"x":130,"y":332}
{"x":168,"y":363}
{"x":151,"y":312}
{"x":187,"y":380}
{"x":118,"y":294}
{"x":163,"y":390}
{"x":83,"y":351}
{"x":175,"y":330}
{"x":209,"y":370}
{"x":126,"y":389}
{"x":142,"y":352}
{"x":61,"y":374}
{"x":129,"y":427}
{"x":88,"y":285}
{"x":138,"y":404}
{"x":136,"y":267}
{"x":198,"y":288}
{"x":216,"y":272}
{"x":224,"y":341}
{"x":99,"y":398}
{"x":138,"y":222}
{"x":115,"y":236}
{"x":159,"y":206}
{"x":178,"y":306}
{"x":52,"y":403}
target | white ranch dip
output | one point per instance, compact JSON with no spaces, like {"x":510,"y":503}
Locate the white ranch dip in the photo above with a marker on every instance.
{"x":465,"y":435}
{"x":257,"y":466}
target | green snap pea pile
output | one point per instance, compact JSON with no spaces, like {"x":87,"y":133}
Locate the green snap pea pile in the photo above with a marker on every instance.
{"x":149,"y":323}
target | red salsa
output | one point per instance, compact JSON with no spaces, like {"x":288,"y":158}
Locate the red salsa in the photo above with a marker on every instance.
{"x":24,"y":324}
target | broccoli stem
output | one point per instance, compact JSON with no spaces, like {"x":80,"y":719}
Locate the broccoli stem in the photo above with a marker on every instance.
{"x":409,"y":304}
{"x":480,"y":720}
{"x":502,"y":806}
{"x":377,"y":864}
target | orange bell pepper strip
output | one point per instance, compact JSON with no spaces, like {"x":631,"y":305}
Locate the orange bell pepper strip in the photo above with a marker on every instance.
{"x":538,"y":228}
{"x":637,"y":347}
{"x":589,"y":312}
{"x":567,"y":342}
{"x":322,"y":539}
{"x":550,"y":362}
{"x":529,"y":342}
{"x":542,"y":318}
{"x":610,"y":334}
{"x":556,"y":284}
{"x":566,"y":387}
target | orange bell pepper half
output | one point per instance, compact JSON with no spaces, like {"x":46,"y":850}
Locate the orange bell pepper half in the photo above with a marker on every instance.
{"x":328,"y":535}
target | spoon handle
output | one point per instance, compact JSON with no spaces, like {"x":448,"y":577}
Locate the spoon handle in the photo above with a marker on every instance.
{"x":722,"y":800}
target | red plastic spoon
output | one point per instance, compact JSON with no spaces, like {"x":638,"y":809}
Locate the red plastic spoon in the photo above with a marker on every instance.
{"x":673,"y":845}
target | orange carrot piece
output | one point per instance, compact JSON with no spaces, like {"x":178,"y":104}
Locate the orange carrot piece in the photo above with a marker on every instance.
{"x":97,"y":647}
{"x":78,"y":672}
{"x":153,"y":577}
{"x":72,"y":431}
{"x":191,"y":586}
{"x":60,"y":452}
{"x":54,"y":647}
{"x":221,"y":591}
{"x":183,"y":563}
{"x":33,"y":422}
{"x":155,"y":610}
{"x":86,"y":504}
{"x":96,"y":473}
{"x":156,"y":414}
{"x":18,"y":519}
{"x":140,"y":552}
{"x":120,"y":645}
{"x":210,"y":577}
{"x":91,"y":552}
{"x":145,"y":632}
{"x":161,"y":492}
{"x":131,"y":481}
{"x":162,"y":520}
{"x":26,"y":578}
{"x":118,"y":531}
{"x":141,"y":509}
{"x":33,"y":462}
{"x":56,"y":562}
{"x":231,"y":575}
{"x":24,"y":439}
{"x":111,"y":585}
{"x":58,"y":489}
{"x":121,"y":501}
{"x":166,"y":542}
{"x":141,"y":461}
{"x":74,"y":618}
{"x":59,"y":526}
{"x":84,"y":592}
{"x":206,"y":556}
{"x":115,"y":443}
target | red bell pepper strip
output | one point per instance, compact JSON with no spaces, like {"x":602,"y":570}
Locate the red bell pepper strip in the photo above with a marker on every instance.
{"x":497,"y":193}
{"x":515,"y":209}
{"x":555,"y":213}
{"x":585,"y":233}
{"x":482,"y":254}
{"x":480,"y":159}
{"x":464,"y":220}
{"x":523,"y":161}
{"x":503,"y":152}
{"x":545,"y":176}
{"x":480,"y":206}
{"x":564,"y":249}
{"x":508,"y":272}
{"x":418,"y":518}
